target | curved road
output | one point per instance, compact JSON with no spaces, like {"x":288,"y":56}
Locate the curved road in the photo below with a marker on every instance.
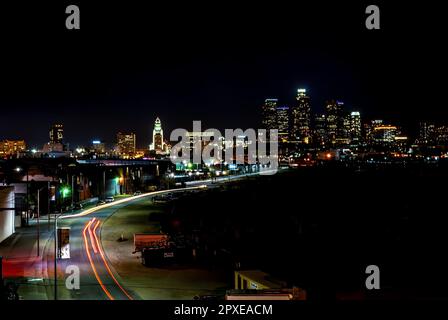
{"x":97,"y":278}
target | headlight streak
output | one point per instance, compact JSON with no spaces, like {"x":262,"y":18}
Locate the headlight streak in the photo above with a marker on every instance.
{"x":105,"y":262}
{"x":91,"y":261}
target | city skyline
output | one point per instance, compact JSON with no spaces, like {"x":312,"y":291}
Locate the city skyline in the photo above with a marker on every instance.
{"x":146,"y":140}
{"x":86,"y":80}
{"x":308,"y":160}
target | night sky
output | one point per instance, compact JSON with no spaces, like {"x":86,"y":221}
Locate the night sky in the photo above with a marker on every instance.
{"x":211,"y":61}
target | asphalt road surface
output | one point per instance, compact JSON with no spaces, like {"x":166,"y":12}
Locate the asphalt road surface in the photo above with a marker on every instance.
{"x":97,"y":279}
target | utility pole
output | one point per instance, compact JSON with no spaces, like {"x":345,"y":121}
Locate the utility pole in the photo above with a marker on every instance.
{"x":56,"y":257}
{"x":38,"y":222}
{"x":73,"y":190}
{"x":48,"y":204}
{"x":104,"y":184}
{"x":27,"y":199}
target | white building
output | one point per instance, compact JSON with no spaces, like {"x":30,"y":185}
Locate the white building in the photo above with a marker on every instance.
{"x":158,"y":144}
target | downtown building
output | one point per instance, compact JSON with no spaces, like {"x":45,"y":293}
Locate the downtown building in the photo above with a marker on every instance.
{"x":158,"y":145}
{"x":320,"y":137}
{"x":282,"y":114}
{"x":11,"y":148}
{"x":381,"y":136}
{"x":301,"y":118}
{"x":56,"y":147}
{"x":126,"y":143}
{"x":269,"y":114}
{"x":336,"y":123}
{"x":432,"y":135}
{"x":276,"y":117}
{"x":355,"y":128}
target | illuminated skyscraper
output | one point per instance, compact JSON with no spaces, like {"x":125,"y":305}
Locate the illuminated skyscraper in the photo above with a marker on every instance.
{"x":427,"y":133}
{"x":283,"y":123}
{"x":157,"y":145}
{"x":385,"y":134}
{"x":55,"y":144}
{"x":335,"y":121}
{"x":368,"y":129}
{"x":355,"y":127}
{"x":269,"y":114}
{"x":320,"y":130}
{"x":126,"y":144}
{"x":300,"y":118}
{"x":98,"y":147}
{"x":56,"y":133}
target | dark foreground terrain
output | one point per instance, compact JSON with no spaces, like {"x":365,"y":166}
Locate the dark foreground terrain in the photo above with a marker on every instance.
{"x":318,"y":228}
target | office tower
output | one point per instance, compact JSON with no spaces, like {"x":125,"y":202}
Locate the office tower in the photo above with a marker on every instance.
{"x":427,"y":134}
{"x":269,"y":114}
{"x":157,"y":145}
{"x":384,"y":134}
{"x":335,"y":121}
{"x":98,"y":147}
{"x":300,"y":118}
{"x":369,"y":129}
{"x":344,"y":139}
{"x":355,"y":127}
{"x":441,"y":135}
{"x":126,"y":144}
{"x":56,"y":133}
{"x":283,"y":123}
{"x":320,"y":130}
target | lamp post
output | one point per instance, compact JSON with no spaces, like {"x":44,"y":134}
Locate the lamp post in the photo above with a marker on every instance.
{"x":56,"y":249}
{"x":56,"y":256}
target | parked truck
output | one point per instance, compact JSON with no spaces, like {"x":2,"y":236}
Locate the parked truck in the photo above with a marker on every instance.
{"x":149,"y":240}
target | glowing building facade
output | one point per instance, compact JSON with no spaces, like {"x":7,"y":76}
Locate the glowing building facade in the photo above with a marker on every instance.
{"x":158,"y":145}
